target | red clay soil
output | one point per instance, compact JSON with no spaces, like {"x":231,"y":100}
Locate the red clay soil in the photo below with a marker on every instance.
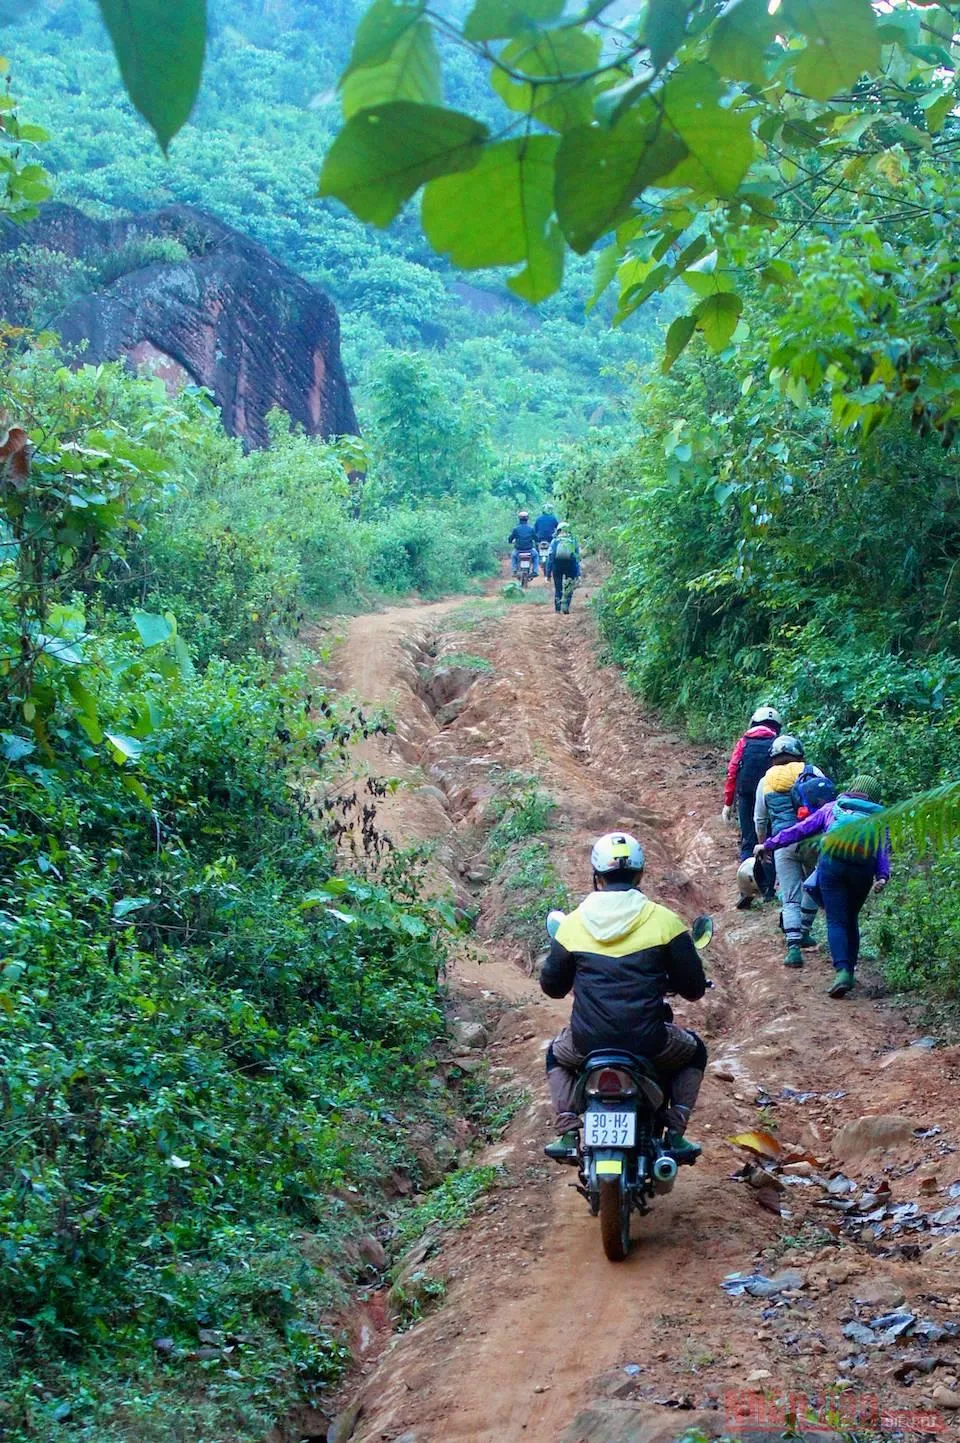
{"x":540,"y":1338}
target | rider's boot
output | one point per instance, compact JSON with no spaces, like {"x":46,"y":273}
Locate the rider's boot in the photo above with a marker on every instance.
{"x":682,"y":1148}
{"x":565,"y":1148}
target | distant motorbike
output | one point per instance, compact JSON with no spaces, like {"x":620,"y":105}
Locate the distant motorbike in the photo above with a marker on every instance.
{"x":525,"y":568}
{"x":544,"y":550}
{"x":623,"y":1160}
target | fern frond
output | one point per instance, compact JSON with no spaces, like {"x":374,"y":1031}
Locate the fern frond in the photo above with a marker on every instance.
{"x":925,"y":821}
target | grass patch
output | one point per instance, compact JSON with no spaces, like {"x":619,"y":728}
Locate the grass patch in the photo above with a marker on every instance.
{"x":412,"y":1301}
{"x":530,"y":873}
{"x":491,"y":1107}
{"x":464,"y":659}
{"x":513,"y":592}
{"x":449,"y":1204}
{"x":521,"y":811}
{"x":474,"y":615}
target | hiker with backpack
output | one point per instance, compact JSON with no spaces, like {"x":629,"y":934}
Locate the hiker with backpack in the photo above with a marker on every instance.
{"x":563,"y":564}
{"x":749,"y":761}
{"x":845,"y":878}
{"x":788,"y":787}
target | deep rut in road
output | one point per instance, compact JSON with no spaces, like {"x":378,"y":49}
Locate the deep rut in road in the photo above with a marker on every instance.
{"x":539,"y":1337}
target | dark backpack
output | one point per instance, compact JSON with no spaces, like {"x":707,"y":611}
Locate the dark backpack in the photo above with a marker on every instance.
{"x":753,"y":764}
{"x":811,"y":791}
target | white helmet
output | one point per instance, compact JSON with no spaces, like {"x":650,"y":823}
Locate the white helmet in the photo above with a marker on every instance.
{"x":747,"y":878}
{"x":766,"y":714}
{"x":787,"y":746}
{"x":617,"y":852}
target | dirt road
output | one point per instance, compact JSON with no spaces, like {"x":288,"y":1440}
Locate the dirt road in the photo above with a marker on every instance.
{"x":539,"y":1337}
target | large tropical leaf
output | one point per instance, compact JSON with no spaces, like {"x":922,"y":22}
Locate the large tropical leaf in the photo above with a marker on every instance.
{"x":160,"y":46}
{"x":927,"y":820}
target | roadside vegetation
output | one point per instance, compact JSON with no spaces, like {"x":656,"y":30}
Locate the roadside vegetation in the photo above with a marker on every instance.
{"x":759,"y":556}
{"x":219,"y":985}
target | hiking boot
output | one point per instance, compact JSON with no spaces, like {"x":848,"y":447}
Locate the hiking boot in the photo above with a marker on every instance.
{"x":682,"y":1148}
{"x":565,"y":1148}
{"x":794,"y":957}
{"x":808,"y":940}
{"x":841,"y":984}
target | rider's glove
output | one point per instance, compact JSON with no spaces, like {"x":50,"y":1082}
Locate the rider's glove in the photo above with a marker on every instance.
{"x":726,"y":816}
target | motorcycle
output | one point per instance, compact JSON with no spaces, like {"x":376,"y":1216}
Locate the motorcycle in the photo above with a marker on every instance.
{"x":525,"y":568}
{"x":544,"y":550}
{"x":622,"y":1158}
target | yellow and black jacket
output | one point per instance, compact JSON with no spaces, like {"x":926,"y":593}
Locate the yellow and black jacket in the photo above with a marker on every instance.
{"x":621,"y":953}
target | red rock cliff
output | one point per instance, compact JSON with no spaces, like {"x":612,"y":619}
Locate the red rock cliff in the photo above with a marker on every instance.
{"x":228,"y":317}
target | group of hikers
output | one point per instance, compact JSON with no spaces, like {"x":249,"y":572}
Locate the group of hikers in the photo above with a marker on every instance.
{"x":783,"y":805}
{"x":562,"y":560}
{"x":621,"y":953}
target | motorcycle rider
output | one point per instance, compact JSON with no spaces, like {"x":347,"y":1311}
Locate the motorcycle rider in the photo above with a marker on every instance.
{"x":621,"y":953}
{"x":747,"y":765}
{"x":545,"y":526}
{"x":523,"y":538}
{"x":563,"y":564}
{"x":775,"y":810}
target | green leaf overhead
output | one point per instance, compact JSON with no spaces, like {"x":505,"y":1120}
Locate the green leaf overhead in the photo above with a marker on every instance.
{"x":383,"y":25}
{"x":842,"y":43}
{"x":717,"y":318}
{"x":383,"y":155}
{"x":160,"y":47}
{"x":599,"y":172}
{"x":678,"y":335}
{"x":511,"y":187}
{"x":706,"y":277}
{"x":562,"y":61}
{"x":718,"y":138}
{"x":153,"y":629}
{"x":740,"y":39}
{"x":501,"y":19}
{"x":664,"y":29}
{"x":411,"y":71}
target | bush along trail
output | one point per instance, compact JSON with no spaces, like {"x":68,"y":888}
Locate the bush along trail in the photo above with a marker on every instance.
{"x":808,"y":1265}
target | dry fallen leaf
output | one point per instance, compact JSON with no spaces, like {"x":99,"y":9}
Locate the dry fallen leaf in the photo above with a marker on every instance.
{"x":764,"y":1144}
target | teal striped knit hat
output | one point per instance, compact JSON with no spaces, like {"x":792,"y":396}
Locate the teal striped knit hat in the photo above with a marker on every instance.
{"x":865,"y":786}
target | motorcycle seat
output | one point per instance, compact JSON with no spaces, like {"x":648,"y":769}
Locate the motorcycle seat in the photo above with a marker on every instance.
{"x":631,"y":1061}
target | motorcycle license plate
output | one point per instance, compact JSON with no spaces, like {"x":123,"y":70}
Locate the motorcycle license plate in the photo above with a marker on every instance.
{"x":610,"y":1129}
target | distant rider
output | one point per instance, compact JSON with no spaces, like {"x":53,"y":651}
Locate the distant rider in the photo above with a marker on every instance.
{"x":563,"y":564}
{"x":747,"y":765}
{"x":545,"y":526}
{"x":523,"y":537}
{"x":621,"y":953}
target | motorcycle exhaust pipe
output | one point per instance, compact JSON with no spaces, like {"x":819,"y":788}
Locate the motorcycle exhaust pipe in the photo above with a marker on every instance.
{"x":664,"y":1174}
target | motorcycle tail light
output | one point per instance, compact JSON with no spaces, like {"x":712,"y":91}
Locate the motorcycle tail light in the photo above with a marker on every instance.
{"x":611,"y":1080}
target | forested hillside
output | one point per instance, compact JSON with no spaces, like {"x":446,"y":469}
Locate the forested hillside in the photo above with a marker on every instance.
{"x":251,"y":154}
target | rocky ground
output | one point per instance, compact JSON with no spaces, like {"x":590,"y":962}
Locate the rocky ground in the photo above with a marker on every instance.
{"x":810,"y":1264}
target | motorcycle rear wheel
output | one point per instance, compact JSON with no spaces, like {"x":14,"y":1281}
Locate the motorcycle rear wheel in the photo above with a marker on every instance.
{"x":614,"y":1220}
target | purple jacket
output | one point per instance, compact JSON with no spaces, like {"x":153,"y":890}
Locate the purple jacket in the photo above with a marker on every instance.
{"x":818,"y":822}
